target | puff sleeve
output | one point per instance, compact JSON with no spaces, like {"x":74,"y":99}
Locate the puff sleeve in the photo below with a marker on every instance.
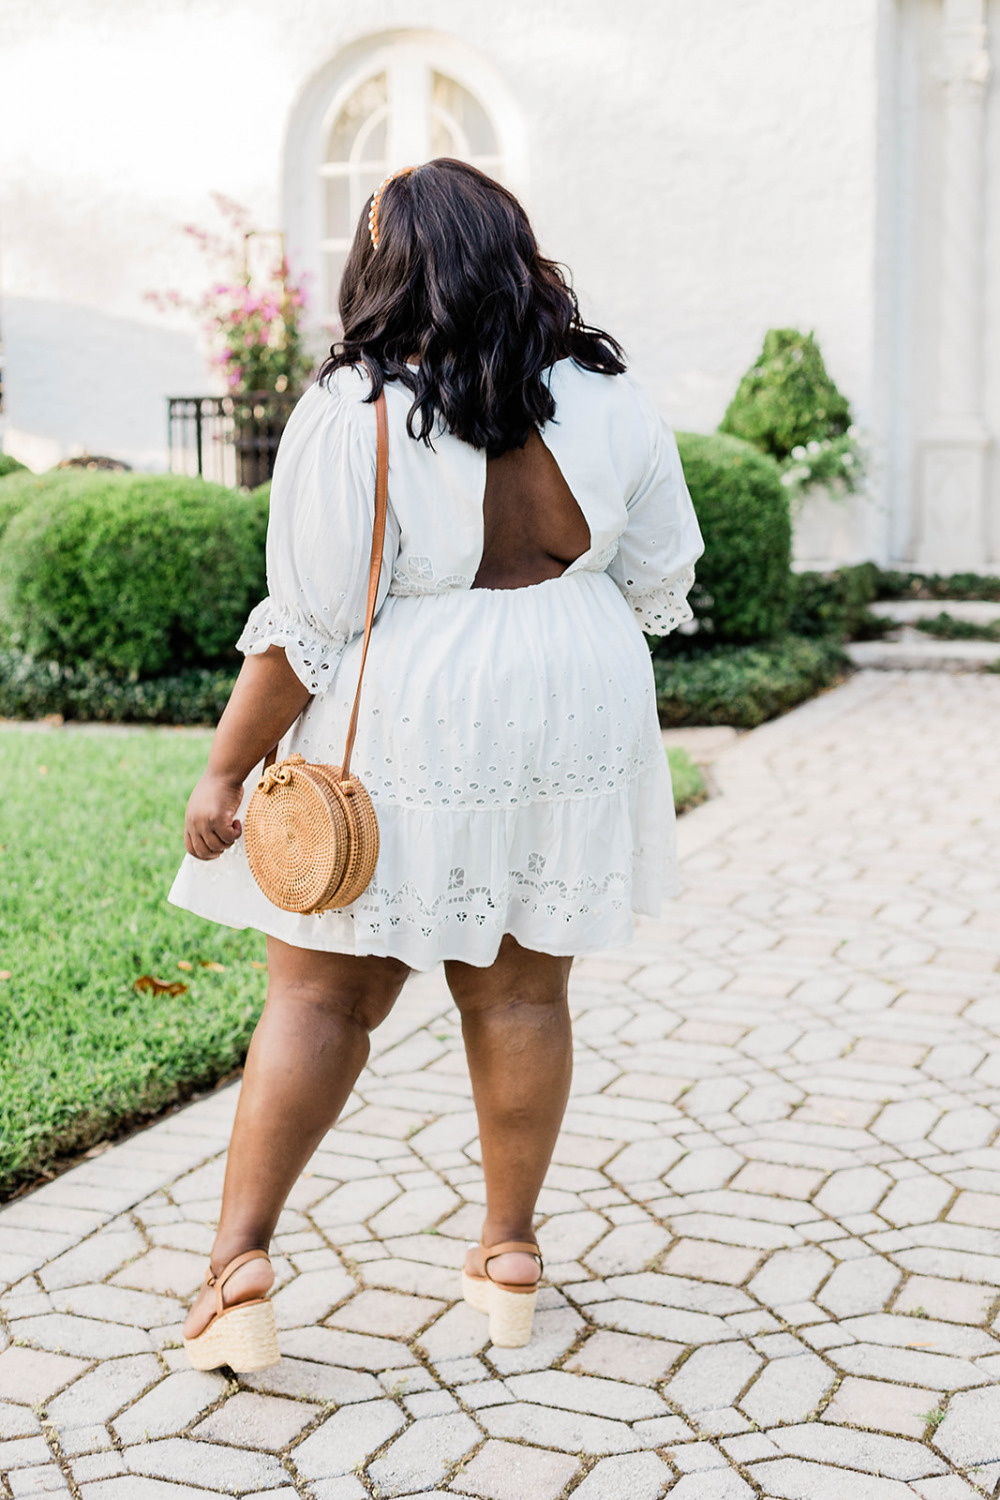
{"x":654,"y":565}
{"x":319,"y":532}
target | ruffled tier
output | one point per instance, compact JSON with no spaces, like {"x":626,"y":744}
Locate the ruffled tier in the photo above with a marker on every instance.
{"x":564,"y":878}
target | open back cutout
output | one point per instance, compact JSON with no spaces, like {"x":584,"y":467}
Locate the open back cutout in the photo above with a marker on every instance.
{"x":533,"y":528}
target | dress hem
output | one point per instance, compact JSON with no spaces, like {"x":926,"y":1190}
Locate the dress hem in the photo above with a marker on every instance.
{"x":622,"y":936}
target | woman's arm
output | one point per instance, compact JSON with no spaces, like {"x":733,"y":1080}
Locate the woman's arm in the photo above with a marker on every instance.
{"x":266,"y":701}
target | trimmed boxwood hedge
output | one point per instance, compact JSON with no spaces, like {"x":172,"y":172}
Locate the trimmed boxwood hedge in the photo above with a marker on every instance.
{"x":31,"y":689}
{"x":135,"y":575}
{"x":835,"y":603}
{"x":744,"y":685}
{"x":742,"y":590}
{"x":19,"y":488}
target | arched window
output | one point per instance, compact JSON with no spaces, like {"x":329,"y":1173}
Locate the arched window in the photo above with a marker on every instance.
{"x":406,"y":112}
{"x":405,"y":100}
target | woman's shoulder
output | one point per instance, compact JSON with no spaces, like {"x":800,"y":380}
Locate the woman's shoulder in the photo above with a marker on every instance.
{"x":615,"y":407}
{"x":333,"y":411}
{"x":345,"y":389}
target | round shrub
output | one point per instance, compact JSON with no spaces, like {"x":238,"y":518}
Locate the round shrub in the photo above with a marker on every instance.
{"x":742,"y":593}
{"x":138,"y":575}
{"x":10,"y":465}
{"x":20,"y":488}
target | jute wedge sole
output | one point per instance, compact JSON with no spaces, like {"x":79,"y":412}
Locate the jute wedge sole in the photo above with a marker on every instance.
{"x":509,"y":1306}
{"x":243,"y":1336}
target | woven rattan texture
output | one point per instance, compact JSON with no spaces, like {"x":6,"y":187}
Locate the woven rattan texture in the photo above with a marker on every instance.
{"x":306,"y":845}
{"x":362,"y":837}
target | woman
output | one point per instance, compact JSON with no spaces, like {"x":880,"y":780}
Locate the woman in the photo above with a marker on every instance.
{"x":538,"y":523}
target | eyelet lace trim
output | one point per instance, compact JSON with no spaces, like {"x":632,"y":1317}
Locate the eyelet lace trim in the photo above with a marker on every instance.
{"x":484,"y":783}
{"x":477,"y":905}
{"x":663,"y":606}
{"x":311,"y":650}
{"x":415,"y":575}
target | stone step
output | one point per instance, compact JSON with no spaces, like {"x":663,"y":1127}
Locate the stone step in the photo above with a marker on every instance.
{"x":970,"y":611}
{"x":911,"y":650}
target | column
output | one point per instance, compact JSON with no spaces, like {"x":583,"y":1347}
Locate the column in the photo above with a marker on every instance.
{"x":952,"y":530}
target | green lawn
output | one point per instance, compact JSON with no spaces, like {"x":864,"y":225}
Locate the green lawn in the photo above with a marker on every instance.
{"x":689,"y":788}
{"x":90,"y":837}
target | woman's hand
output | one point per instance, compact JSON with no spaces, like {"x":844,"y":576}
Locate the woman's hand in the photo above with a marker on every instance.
{"x":211,"y":824}
{"x":266,"y":701}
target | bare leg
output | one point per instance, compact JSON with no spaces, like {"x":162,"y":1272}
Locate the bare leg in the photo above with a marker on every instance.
{"x":516,"y":1026}
{"x":311,"y":1042}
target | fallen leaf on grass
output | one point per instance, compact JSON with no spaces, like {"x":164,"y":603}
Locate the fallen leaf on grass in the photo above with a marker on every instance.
{"x":43,"y":770}
{"x":255,"y":963}
{"x":215,"y":968}
{"x":183,"y":963}
{"x":154,"y":986}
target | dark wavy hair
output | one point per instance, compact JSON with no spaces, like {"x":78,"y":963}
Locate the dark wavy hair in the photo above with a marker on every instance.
{"x":458,"y":283}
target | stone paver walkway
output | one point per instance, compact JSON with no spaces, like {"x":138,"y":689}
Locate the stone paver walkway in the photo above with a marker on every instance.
{"x":772,"y":1230}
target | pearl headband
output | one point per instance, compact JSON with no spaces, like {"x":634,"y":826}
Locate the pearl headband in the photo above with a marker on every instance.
{"x":376,"y":199}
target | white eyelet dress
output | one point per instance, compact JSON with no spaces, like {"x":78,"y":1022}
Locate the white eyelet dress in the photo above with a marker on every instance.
{"x":508,"y":738}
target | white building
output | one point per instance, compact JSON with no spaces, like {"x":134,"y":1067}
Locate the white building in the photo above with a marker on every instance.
{"x":707,"y":170}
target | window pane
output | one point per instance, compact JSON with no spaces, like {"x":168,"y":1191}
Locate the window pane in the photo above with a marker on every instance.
{"x":460,"y":123}
{"x":372,"y":139}
{"x":444,"y":140}
{"x":363,"y":103}
{"x":339,"y":225}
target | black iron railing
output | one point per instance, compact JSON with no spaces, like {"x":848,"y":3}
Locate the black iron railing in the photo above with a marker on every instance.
{"x":229,"y":439}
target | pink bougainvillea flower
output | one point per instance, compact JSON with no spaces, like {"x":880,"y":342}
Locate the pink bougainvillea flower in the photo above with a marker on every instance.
{"x":253,"y":329}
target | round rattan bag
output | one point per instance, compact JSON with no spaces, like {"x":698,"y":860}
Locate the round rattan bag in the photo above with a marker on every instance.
{"x":311,"y":837}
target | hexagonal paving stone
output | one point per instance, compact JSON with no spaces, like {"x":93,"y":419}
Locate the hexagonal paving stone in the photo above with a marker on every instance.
{"x":388,"y":1314}
{"x":348,"y":1438}
{"x":787,"y":1390}
{"x":970,"y":1432}
{"x":512,"y":1471}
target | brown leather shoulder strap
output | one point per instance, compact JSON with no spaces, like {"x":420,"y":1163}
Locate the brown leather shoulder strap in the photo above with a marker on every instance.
{"x":375,"y":568}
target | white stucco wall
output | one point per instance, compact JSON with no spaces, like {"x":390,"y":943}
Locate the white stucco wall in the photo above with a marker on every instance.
{"x":706,"y":170}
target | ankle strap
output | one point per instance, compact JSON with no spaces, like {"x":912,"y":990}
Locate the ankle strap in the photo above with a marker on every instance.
{"x":219,"y":1281}
{"x":505,"y":1247}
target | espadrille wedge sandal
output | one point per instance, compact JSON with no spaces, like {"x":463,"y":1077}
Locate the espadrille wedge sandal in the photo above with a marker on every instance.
{"x":510,"y":1305}
{"x":242,"y":1336}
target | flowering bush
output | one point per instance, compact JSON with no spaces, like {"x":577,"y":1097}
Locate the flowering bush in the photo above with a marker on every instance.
{"x":789,"y":408}
{"x":253,"y":321}
{"x":836,"y":462}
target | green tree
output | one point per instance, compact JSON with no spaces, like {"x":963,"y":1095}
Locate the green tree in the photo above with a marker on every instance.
{"x":787,"y":400}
